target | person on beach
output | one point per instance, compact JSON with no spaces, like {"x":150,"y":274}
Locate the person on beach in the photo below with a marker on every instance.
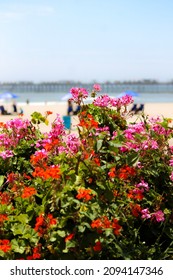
{"x":137,"y":109}
{"x":70,"y":108}
{"x":2,"y":110}
{"x":77,"y":110}
{"x":14,"y":108}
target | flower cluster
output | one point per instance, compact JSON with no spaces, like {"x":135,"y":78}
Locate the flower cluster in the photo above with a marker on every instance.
{"x":103,"y":192}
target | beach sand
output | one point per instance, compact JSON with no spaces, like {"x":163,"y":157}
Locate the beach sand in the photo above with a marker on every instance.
{"x":150,"y":109}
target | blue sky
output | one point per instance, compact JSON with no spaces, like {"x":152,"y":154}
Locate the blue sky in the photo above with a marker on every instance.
{"x":86,"y":40}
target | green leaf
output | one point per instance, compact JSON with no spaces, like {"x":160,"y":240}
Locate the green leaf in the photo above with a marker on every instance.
{"x":31,"y":235}
{"x":78,"y":180}
{"x":2,"y":253}
{"x":18,"y":229}
{"x":99,"y":144}
{"x":18,"y":246}
{"x":100,"y":185}
{"x":1,"y":180}
{"x":23,"y":218}
{"x":70,"y":244}
{"x":81,"y":228}
{"x":115,"y":144}
{"x":132,"y":158}
{"x":61,"y":233}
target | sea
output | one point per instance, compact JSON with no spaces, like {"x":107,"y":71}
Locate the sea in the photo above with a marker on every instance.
{"x":53,"y":97}
{"x":146,"y":94}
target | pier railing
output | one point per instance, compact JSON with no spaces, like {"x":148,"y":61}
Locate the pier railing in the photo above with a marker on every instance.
{"x":106,"y":87}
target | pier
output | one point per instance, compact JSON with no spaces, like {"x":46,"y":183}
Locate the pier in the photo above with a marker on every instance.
{"x":106,"y":87}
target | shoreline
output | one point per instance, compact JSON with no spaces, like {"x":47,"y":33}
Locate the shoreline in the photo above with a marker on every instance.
{"x":150,"y":109}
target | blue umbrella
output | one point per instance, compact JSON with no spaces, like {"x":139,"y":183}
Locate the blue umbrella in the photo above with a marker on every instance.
{"x":128,"y":92}
{"x":8,"y":95}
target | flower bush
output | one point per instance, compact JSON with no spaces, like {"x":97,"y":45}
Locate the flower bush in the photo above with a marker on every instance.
{"x":105,"y":192}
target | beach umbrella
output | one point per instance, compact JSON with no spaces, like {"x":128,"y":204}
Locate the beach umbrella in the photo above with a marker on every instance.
{"x":66,"y":96}
{"x":8,"y":95}
{"x":128,"y":92}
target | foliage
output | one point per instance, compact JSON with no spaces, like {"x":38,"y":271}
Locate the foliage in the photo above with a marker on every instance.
{"x":105,"y":192}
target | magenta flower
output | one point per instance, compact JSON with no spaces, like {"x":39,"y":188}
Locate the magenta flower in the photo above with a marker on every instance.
{"x":57,"y":128}
{"x":6,"y":154}
{"x":78,"y":94}
{"x":72,"y":143}
{"x":159,"y":215}
{"x":137,"y":127}
{"x":171,"y":162}
{"x":102,"y":101}
{"x":154,"y":144}
{"x":145,"y":214}
{"x":126,"y":100}
{"x":97,"y":87}
{"x":143,"y":186}
{"x":18,"y":124}
{"x":171,"y":176}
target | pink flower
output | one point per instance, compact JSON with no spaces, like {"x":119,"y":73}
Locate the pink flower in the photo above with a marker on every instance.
{"x":154,"y":144}
{"x":57,"y":128}
{"x":171,"y":176}
{"x":126,"y":100}
{"x":171,"y":162}
{"x":78,"y":94}
{"x":139,"y":164}
{"x":137,"y":127}
{"x":159,"y":215}
{"x":114,"y":135}
{"x":97,"y":87}
{"x":73,"y":143}
{"x":6,"y":154}
{"x":128,"y":134}
{"x":102,"y":101}
{"x":143,"y":186}
{"x":116,"y":102}
{"x":145,"y":214}
{"x":18,"y":124}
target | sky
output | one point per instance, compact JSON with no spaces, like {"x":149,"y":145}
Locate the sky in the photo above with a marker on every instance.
{"x":86,"y":40}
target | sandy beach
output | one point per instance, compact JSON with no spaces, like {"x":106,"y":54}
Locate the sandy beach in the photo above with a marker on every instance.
{"x":151,"y":109}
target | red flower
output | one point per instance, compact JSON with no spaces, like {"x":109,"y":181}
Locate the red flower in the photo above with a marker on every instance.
{"x":69,"y":237}
{"x":112,"y":172}
{"x":26,"y":176}
{"x":96,"y":223}
{"x":11,"y":177}
{"x":89,"y":122}
{"x":3,"y":217}
{"x":97,"y":247}
{"x":5,"y":245}
{"x":28,"y":191}
{"x":104,"y":223}
{"x":49,"y":113}
{"x":43,"y":223}
{"x":51,"y":145}
{"x":47,"y":172}
{"x":136,"y":209}
{"x":52,"y":221}
{"x":97,"y":161}
{"x":125,"y":172}
{"x":4,"y":198}
{"x":116,"y":227}
{"x":84,"y":194}
{"x":136,"y":195}
{"x":36,"y":252}
{"x":40,"y":225}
